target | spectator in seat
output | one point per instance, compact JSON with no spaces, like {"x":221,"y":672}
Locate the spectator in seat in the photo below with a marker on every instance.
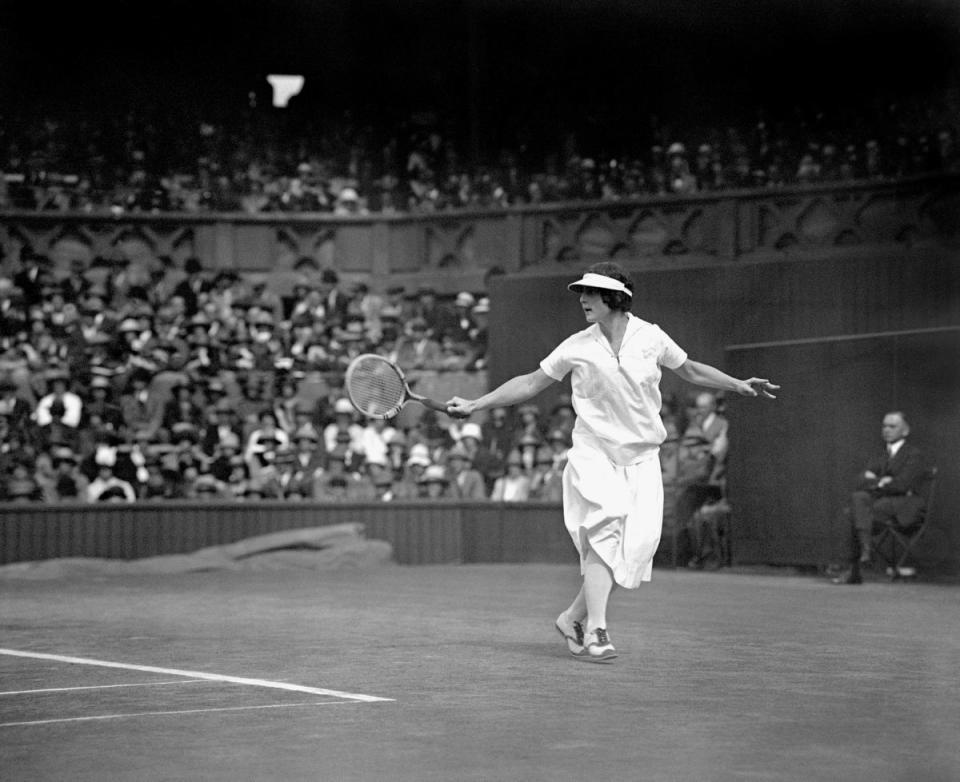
{"x":546,"y":478}
{"x":55,"y":432}
{"x":397,"y":452}
{"x":498,"y":433}
{"x":67,"y":484}
{"x":888,"y":491}
{"x":559,"y":442}
{"x":141,"y":408}
{"x":336,"y":476}
{"x":180,"y":408}
{"x":479,"y":335}
{"x":21,"y":486}
{"x":483,"y":461}
{"x":701,"y":460}
{"x":101,"y":404}
{"x":416,"y":349}
{"x":465,"y":482}
{"x":13,"y":406}
{"x":308,"y":455}
{"x":562,"y":416}
{"x":266,"y":437}
{"x":529,"y":424}
{"x":59,"y":385}
{"x":408,"y":487}
{"x":434,"y":484}
{"x":343,"y":429}
{"x":707,"y":527}
{"x":106,"y":485}
{"x":514,"y":486}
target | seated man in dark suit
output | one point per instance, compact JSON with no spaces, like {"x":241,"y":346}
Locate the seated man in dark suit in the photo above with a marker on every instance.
{"x":887,"y":492}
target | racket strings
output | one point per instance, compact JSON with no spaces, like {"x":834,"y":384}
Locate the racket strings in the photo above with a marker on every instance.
{"x":375,"y":387}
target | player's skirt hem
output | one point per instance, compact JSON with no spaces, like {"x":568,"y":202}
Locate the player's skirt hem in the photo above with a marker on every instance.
{"x":615,"y":510}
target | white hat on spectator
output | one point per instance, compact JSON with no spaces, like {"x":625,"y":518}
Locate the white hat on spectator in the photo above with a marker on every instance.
{"x":465,"y":299}
{"x":229,"y":440}
{"x":343,"y":406}
{"x":676,"y":148}
{"x":105,"y":456}
{"x":482,"y":306}
{"x":348,"y":194}
{"x":434,"y":474}
{"x":471,"y":430}
{"x":419,"y":454}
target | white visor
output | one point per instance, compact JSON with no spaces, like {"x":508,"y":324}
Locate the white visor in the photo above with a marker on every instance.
{"x":591,"y":280}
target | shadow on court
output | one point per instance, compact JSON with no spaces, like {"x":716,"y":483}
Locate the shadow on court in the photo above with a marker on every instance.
{"x":721,"y":676}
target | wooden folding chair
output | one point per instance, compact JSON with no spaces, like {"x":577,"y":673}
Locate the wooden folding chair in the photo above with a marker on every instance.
{"x":893,"y":545}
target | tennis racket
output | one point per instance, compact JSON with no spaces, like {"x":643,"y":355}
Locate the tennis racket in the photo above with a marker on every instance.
{"x":377,"y":388}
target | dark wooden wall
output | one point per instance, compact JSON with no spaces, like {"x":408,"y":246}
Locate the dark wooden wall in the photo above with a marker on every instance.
{"x":706,"y":309}
{"x":793,"y":462}
{"x":420,"y":532}
{"x":791,"y":459}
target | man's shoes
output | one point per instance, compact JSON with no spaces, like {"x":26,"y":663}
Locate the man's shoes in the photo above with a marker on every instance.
{"x":597,"y":647}
{"x":850,"y":577}
{"x":902,"y":572}
{"x":572,"y":632}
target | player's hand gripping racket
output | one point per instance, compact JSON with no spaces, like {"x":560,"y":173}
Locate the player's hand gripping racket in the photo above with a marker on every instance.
{"x":378,"y":389}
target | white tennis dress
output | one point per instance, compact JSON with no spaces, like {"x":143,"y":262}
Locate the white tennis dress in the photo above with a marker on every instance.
{"x":612,"y":487}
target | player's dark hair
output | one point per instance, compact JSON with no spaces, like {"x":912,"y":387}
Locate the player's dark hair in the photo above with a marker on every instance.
{"x":615,"y":300}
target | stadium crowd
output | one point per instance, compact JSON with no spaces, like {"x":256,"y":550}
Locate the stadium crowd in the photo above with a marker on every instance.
{"x":206,"y":385}
{"x":182,"y":382}
{"x":144,"y":161}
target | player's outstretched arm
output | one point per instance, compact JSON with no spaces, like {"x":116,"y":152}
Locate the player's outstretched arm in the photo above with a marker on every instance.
{"x":517,"y":389}
{"x":701,"y":374}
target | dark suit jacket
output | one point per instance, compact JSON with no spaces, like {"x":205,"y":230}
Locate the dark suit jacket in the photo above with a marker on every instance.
{"x":902,"y":496}
{"x":907,"y":469}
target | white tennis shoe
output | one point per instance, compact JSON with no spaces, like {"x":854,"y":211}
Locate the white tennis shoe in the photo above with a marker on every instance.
{"x":597,"y":647}
{"x":572,"y":632}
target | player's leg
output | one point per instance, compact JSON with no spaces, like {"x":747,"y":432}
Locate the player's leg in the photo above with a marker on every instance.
{"x":597,"y":585}
{"x":570,"y":623}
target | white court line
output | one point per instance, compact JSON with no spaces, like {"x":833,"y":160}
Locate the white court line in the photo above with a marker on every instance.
{"x":213,"y":677}
{"x":100,"y":687}
{"x":162,"y":713}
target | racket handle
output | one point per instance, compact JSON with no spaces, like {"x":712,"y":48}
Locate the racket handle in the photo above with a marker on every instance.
{"x":439,"y":407}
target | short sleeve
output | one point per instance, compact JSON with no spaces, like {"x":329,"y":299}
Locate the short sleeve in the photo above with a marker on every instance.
{"x":558,"y":363}
{"x":671,"y":354}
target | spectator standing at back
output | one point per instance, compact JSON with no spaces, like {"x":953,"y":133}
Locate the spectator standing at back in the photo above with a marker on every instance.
{"x":439,"y":318}
{"x":679,"y":178}
{"x":191,"y":288}
{"x":336,"y":302}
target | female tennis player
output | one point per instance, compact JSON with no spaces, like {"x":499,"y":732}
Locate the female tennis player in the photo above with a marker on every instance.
{"x":612,"y":489}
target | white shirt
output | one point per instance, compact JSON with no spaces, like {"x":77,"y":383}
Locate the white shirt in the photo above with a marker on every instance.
{"x":617,"y":398}
{"x":894,"y":447}
{"x":72,"y":406}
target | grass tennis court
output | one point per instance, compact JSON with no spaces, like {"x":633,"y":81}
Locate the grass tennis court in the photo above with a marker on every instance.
{"x":721,"y":676}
